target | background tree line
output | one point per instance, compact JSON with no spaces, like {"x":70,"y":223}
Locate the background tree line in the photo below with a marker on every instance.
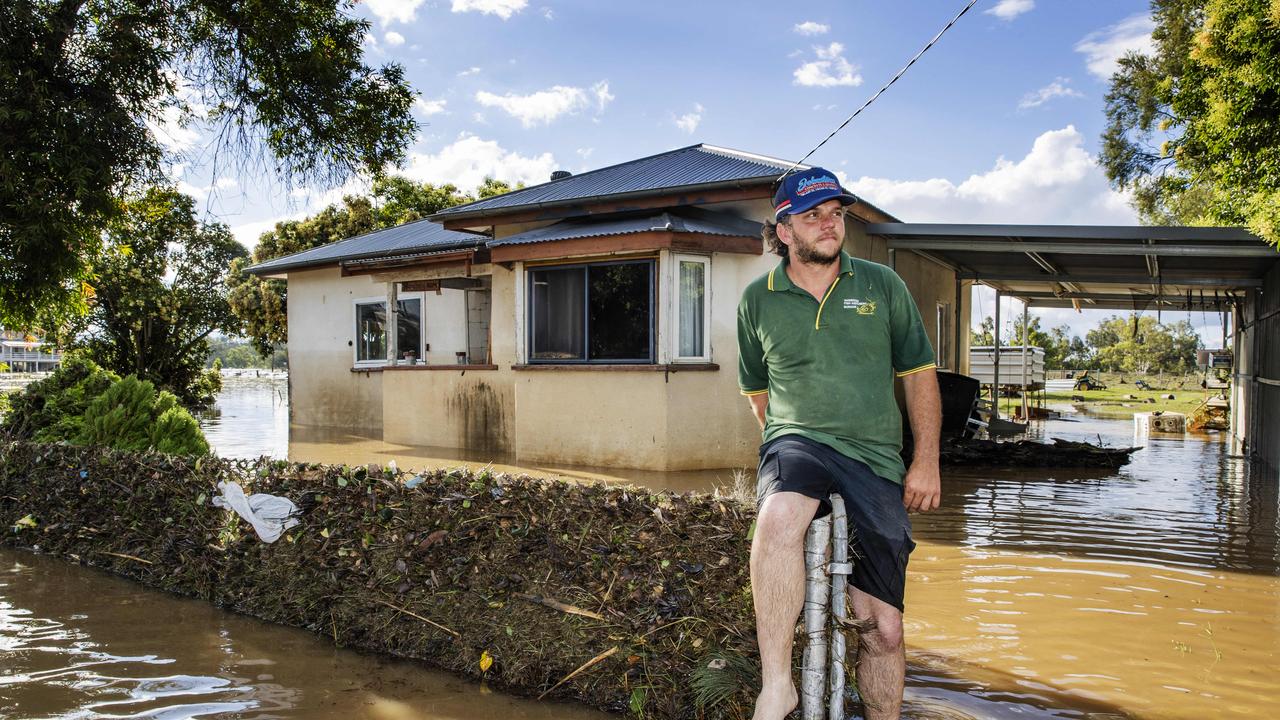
{"x":1132,"y":344}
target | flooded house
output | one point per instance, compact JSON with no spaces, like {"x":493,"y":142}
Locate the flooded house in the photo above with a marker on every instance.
{"x":591,"y":319}
{"x":587,"y":320}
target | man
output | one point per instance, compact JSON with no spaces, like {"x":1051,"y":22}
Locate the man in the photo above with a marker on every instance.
{"x":820,"y":339}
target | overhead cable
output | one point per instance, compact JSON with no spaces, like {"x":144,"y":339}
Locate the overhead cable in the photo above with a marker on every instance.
{"x":879,"y":92}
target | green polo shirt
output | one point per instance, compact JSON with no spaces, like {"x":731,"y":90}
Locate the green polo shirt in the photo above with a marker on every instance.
{"x":828,"y":365}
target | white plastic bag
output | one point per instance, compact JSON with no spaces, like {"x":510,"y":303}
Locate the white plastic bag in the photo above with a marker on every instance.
{"x":270,"y":515}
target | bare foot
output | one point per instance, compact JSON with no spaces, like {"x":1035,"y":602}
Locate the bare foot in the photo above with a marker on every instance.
{"x":774,"y":703}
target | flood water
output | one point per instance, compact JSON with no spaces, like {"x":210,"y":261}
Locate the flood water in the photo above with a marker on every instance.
{"x":1152,"y":592}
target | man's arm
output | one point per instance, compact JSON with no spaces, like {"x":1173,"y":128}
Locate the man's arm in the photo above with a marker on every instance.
{"x":759,"y":402}
{"x":922,"y":488}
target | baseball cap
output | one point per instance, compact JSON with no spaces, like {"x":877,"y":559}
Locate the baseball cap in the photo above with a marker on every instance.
{"x":806,"y":189}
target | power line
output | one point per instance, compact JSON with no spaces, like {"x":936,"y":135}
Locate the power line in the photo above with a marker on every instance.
{"x":886,"y":86}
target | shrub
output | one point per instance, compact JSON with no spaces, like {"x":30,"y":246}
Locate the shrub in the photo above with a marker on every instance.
{"x":85,"y":405}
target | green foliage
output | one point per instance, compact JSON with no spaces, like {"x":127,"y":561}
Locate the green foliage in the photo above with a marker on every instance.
{"x":1139,"y":344}
{"x":261,"y":304}
{"x":82,"y":82}
{"x":1194,"y":130}
{"x":160,"y":294}
{"x":83,"y":404}
{"x":52,"y":409}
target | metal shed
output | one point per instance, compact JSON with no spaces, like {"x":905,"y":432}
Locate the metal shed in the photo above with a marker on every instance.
{"x":1216,"y":269}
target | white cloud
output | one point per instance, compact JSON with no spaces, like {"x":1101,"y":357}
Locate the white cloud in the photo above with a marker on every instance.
{"x":1056,"y":89}
{"x":603,"y":96}
{"x":430,"y":107}
{"x":1056,"y":182}
{"x":1102,"y":49}
{"x":689,"y":121}
{"x":548,"y":13}
{"x":831,"y":69}
{"x":810,"y":27}
{"x":502,"y":8}
{"x":546,"y":105}
{"x":173,"y":130}
{"x":1010,"y":9}
{"x":394,"y":38}
{"x":389,"y":11}
{"x":585,"y":153}
{"x":473,"y":70}
{"x":468,"y":160}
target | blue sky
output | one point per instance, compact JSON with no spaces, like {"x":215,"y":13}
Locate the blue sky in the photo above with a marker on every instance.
{"x":997,"y":123}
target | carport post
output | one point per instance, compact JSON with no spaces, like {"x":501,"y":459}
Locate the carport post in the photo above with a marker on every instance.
{"x":995,"y":368}
{"x":1025,"y":334}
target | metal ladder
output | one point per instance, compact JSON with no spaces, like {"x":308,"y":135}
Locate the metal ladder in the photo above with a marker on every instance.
{"x":825,"y":607}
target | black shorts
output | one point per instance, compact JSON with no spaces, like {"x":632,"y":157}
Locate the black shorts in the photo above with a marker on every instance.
{"x":879,"y":530}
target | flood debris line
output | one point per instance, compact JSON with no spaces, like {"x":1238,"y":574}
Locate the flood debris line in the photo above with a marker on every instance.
{"x":1028,"y":453}
{"x":622,"y":599}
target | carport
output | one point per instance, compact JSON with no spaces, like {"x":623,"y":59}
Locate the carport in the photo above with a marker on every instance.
{"x":1212,"y":269}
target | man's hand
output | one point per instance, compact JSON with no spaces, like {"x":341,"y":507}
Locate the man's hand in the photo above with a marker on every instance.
{"x":922,"y":488}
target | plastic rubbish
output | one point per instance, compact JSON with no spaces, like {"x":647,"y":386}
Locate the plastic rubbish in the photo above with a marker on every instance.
{"x":270,"y":515}
{"x":413,"y":482}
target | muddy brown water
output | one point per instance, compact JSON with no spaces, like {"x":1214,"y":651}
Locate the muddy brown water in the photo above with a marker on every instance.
{"x":1152,"y":592}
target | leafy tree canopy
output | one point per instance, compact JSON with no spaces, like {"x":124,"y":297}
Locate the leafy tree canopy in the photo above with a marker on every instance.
{"x":1139,"y":344}
{"x":1194,"y":130}
{"x":280,"y":83}
{"x":160,"y":292}
{"x":261,"y":304}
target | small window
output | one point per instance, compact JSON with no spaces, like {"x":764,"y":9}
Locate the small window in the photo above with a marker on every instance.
{"x":371,"y":329}
{"x":592,"y":313}
{"x":692,"y":308}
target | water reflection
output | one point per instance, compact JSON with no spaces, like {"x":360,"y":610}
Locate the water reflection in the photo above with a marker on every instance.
{"x":77,"y":643}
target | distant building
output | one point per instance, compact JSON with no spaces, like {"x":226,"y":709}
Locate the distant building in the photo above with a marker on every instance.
{"x":22,"y":352}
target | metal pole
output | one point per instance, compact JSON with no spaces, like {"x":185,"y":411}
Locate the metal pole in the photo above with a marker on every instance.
{"x":813,"y":674}
{"x":1026,"y":334}
{"x":995,"y":369}
{"x":840,"y":570}
{"x":956,"y":315}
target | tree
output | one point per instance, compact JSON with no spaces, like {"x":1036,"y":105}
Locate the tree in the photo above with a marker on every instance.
{"x":985,"y":334}
{"x":1139,"y":344}
{"x":83,"y":82}
{"x":261,"y":305}
{"x":1194,"y":130}
{"x":160,"y":293}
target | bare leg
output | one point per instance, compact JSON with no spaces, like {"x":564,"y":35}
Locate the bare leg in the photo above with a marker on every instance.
{"x":777,"y":586}
{"x":882,"y":660}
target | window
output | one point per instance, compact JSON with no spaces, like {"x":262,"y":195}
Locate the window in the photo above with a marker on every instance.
{"x":371,"y":329}
{"x":591,"y":313}
{"x":692,"y":315}
{"x":942,"y":341}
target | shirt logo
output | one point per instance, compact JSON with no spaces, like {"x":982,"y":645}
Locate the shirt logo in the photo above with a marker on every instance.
{"x":862,"y":307}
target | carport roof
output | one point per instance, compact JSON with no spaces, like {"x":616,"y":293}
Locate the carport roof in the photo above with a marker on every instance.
{"x":1095,"y":266}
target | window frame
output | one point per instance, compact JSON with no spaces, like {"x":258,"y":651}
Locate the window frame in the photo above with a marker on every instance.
{"x":382,"y":300}
{"x":943,"y":335}
{"x":705,"y":261}
{"x":530,"y":310}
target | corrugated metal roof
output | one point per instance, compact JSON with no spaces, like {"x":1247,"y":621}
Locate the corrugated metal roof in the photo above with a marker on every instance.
{"x":687,"y":166}
{"x":690,"y":220}
{"x":419,"y":235}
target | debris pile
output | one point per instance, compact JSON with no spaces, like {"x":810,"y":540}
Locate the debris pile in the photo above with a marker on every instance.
{"x":619,"y":598}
